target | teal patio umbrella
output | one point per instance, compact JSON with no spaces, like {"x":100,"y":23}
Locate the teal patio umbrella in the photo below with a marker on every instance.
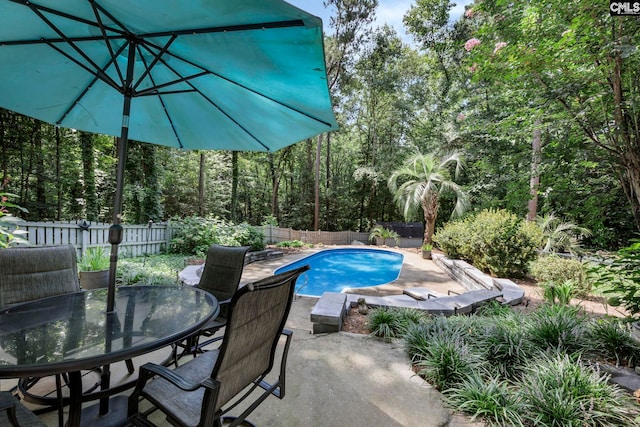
{"x":242,"y":75}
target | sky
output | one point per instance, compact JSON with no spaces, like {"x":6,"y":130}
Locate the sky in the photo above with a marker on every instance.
{"x":389,"y":12}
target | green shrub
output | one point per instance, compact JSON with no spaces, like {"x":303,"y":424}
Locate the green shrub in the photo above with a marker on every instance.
{"x":194,"y":235}
{"x":152,"y":270}
{"x":418,"y":336}
{"x":492,"y":400}
{"x":558,"y":270}
{"x":621,"y":278}
{"x":496,"y":241}
{"x":494,"y":308}
{"x":558,"y":391}
{"x":453,"y":239}
{"x":291,"y":244}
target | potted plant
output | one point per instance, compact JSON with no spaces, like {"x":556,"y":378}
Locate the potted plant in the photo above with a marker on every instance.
{"x":94,"y":268}
{"x":426,"y":250}
{"x":380,"y":235}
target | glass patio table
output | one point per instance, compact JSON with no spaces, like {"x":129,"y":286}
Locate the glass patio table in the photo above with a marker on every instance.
{"x":73,"y":332}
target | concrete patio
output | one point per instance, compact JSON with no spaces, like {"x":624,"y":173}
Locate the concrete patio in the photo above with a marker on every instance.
{"x":342,"y":378}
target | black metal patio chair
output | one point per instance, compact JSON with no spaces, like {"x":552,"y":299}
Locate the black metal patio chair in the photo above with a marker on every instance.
{"x":198,"y":392}
{"x":221,"y":276}
{"x":14,"y":414}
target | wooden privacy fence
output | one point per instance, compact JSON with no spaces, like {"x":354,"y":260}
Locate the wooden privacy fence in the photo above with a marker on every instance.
{"x":147,"y":239}
{"x":137,"y":240}
{"x":276,"y":234}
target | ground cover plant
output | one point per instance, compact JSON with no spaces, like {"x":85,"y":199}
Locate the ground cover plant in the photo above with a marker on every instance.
{"x":505,"y":367}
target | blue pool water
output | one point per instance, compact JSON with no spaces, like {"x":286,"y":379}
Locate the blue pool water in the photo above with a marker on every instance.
{"x":333,"y":270}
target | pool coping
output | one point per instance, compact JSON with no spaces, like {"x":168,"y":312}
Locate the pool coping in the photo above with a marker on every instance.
{"x":329,"y":312}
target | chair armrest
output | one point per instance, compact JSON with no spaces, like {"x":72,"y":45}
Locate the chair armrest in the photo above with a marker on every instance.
{"x":149,"y":370}
{"x":279,"y":389}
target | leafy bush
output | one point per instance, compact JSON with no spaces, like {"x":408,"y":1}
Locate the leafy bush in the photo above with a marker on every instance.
{"x":496,"y":241}
{"x":552,"y":269}
{"x":509,"y":369}
{"x":379,"y":232}
{"x":621,"y":278}
{"x":152,"y":270}
{"x":291,"y":244}
{"x":10,"y":233}
{"x":558,"y":391}
{"x":453,"y":239}
{"x":194,"y":235}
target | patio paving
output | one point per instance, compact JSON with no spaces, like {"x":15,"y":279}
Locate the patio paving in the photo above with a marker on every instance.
{"x":348,"y":379}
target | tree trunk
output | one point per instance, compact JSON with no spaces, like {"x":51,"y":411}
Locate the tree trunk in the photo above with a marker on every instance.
{"x":275,"y":186}
{"x":201,"y":185}
{"x":534,"y":183}
{"x":316,"y":210}
{"x":88,"y":168}
{"x":234,"y":186}
{"x":58,"y":175}
{"x":430,"y":211}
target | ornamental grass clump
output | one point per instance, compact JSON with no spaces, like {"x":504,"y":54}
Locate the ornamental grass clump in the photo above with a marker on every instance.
{"x":439,"y":350}
{"x":448,"y":360}
{"x":393,"y":323}
{"x":510,"y":369}
{"x":558,"y":327}
{"x":610,"y":340}
{"x":560,"y":391}
{"x":491,"y":399}
{"x":507,"y":345}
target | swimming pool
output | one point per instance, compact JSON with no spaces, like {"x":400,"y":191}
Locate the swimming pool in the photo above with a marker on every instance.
{"x":333,"y":270}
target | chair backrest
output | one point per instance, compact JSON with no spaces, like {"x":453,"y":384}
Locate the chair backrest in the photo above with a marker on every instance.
{"x":28,"y":273}
{"x":257,"y":315}
{"x":222,"y":271}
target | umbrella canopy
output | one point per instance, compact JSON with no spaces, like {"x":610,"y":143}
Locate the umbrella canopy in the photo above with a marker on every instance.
{"x":193,"y":74}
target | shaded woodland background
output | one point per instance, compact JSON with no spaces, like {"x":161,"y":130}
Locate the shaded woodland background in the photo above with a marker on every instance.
{"x":540,"y":97}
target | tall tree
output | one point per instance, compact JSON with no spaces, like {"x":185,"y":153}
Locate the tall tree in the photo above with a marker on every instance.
{"x":350,"y":23}
{"x":574,"y":55}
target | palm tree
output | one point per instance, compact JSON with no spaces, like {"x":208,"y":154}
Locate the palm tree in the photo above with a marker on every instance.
{"x":423,"y":178}
{"x":561,"y":236}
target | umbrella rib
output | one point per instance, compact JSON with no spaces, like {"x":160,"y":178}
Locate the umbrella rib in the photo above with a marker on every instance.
{"x":35,"y":7}
{"x":164,"y":107}
{"x":186,"y":80}
{"x":87,"y":87}
{"x":229,"y":28}
{"x":187,"y":61}
{"x":102,"y":27}
{"x":156,"y":58}
{"x":96,"y":70}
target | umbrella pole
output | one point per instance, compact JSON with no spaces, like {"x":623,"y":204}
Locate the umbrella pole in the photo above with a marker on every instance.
{"x":115,"y":231}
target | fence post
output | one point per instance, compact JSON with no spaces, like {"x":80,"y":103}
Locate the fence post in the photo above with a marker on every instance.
{"x":85,"y":240}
